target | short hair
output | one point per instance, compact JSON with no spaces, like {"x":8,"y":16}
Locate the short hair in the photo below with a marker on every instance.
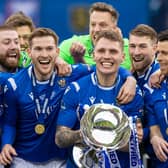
{"x":104,"y":7}
{"x":6,"y":27}
{"x":110,"y":35}
{"x":163,"y":35}
{"x":43,"y":32}
{"x":19,"y":19}
{"x":142,"y":30}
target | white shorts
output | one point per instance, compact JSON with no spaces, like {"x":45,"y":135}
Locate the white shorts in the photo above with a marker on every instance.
{"x":1,"y":166}
{"x":21,"y":163}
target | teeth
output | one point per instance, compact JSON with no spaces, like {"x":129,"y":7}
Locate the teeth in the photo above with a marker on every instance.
{"x":44,"y":61}
{"x":137,"y":59}
{"x":12,"y":54}
{"x":106,"y":64}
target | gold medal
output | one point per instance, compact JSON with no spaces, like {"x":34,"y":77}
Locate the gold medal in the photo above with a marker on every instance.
{"x":167,"y":131}
{"x":39,"y":129}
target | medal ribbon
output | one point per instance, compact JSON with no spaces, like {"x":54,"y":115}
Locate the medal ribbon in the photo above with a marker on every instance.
{"x":42,"y":111}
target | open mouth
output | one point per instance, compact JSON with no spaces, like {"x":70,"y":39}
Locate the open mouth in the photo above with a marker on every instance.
{"x":13,"y":55}
{"x":44,"y":62}
{"x":107,"y":64}
{"x":138,"y":59}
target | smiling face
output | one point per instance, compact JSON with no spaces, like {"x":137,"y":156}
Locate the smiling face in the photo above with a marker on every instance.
{"x":9,"y":50}
{"x":162,"y":56}
{"x":100,"y":21}
{"x":24,"y":33}
{"x":142,"y":51}
{"x":43,"y":53}
{"x":108,"y":55}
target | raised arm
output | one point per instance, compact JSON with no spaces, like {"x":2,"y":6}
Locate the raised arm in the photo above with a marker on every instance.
{"x":127,"y":91}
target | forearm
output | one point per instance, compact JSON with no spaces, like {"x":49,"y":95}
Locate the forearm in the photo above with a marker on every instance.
{"x":155,"y":131}
{"x":8,"y":135}
{"x":66,"y":137}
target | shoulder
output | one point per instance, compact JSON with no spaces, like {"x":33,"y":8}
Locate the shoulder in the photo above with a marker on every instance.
{"x":20,"y":78}
{"x":82,"y":84}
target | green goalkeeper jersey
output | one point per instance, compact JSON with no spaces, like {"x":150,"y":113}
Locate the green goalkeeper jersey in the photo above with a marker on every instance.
{"x":24,"y":60}
{"x":88,"y":57}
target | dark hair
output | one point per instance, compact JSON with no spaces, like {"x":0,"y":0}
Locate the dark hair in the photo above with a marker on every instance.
{"x":42,"y":32}
{"x":110,"y":35}
{"x":20,"y":19}
{"x":104,"y":7}
{"x":163,"y":35}
{"x":142,"y":30}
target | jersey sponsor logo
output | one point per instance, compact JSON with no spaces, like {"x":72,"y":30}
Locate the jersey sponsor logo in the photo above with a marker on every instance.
{"x":92,"y":99}
{"x":31,"y":95}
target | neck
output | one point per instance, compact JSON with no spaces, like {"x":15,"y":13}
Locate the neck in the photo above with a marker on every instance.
{"x":6,"y":69}
{"x":106,"y":80}
{"x":41,"y":77}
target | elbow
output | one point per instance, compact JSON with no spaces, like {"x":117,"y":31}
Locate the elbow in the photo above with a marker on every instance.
{"x":59,"y":142}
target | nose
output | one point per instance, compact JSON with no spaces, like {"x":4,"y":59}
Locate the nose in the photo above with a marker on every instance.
{"x":159,"y":58}
{"x":136,"y":51}
{"x":21,"y":40}
{"x":14,"y":45}
{"x":44,"y":53}
{"x":97,"y":28}
{"x":107,"y":55}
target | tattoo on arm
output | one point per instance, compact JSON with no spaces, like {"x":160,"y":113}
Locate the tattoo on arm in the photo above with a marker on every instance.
{"x":66,"y":137}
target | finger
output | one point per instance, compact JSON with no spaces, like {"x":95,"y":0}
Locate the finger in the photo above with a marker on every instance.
{"x":124,"y":99}
{"x":5,"y":159}
{"x":155,"y":85}
{"x":1,"y":161}
{"x":165,"y":148}
{"x":120,"y":96}
{"x":162,"y":154}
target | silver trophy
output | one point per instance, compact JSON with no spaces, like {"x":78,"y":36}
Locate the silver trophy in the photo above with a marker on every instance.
{"x":102,"y":126}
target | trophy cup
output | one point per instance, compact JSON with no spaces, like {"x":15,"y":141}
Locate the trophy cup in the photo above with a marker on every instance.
{"x":103,"y":126}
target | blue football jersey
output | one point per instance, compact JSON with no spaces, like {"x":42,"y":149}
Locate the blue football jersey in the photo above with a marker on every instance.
{"x":85,"y":92}
{"x":21,"y":115}
{"x":3,"y":77}
{"x":157,"y":112}
{"x":143,"y":79}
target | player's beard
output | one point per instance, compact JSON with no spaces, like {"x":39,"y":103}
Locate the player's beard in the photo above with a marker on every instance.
{"x":7,"y":64}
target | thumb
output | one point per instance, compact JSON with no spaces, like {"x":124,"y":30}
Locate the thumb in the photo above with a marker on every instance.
{"x":13,"y":151}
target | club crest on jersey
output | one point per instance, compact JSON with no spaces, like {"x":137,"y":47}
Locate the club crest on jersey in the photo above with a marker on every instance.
{"x":62,"y":82}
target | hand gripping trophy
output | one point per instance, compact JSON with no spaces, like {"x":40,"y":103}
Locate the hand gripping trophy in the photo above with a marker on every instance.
{"x":105,"y":128}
